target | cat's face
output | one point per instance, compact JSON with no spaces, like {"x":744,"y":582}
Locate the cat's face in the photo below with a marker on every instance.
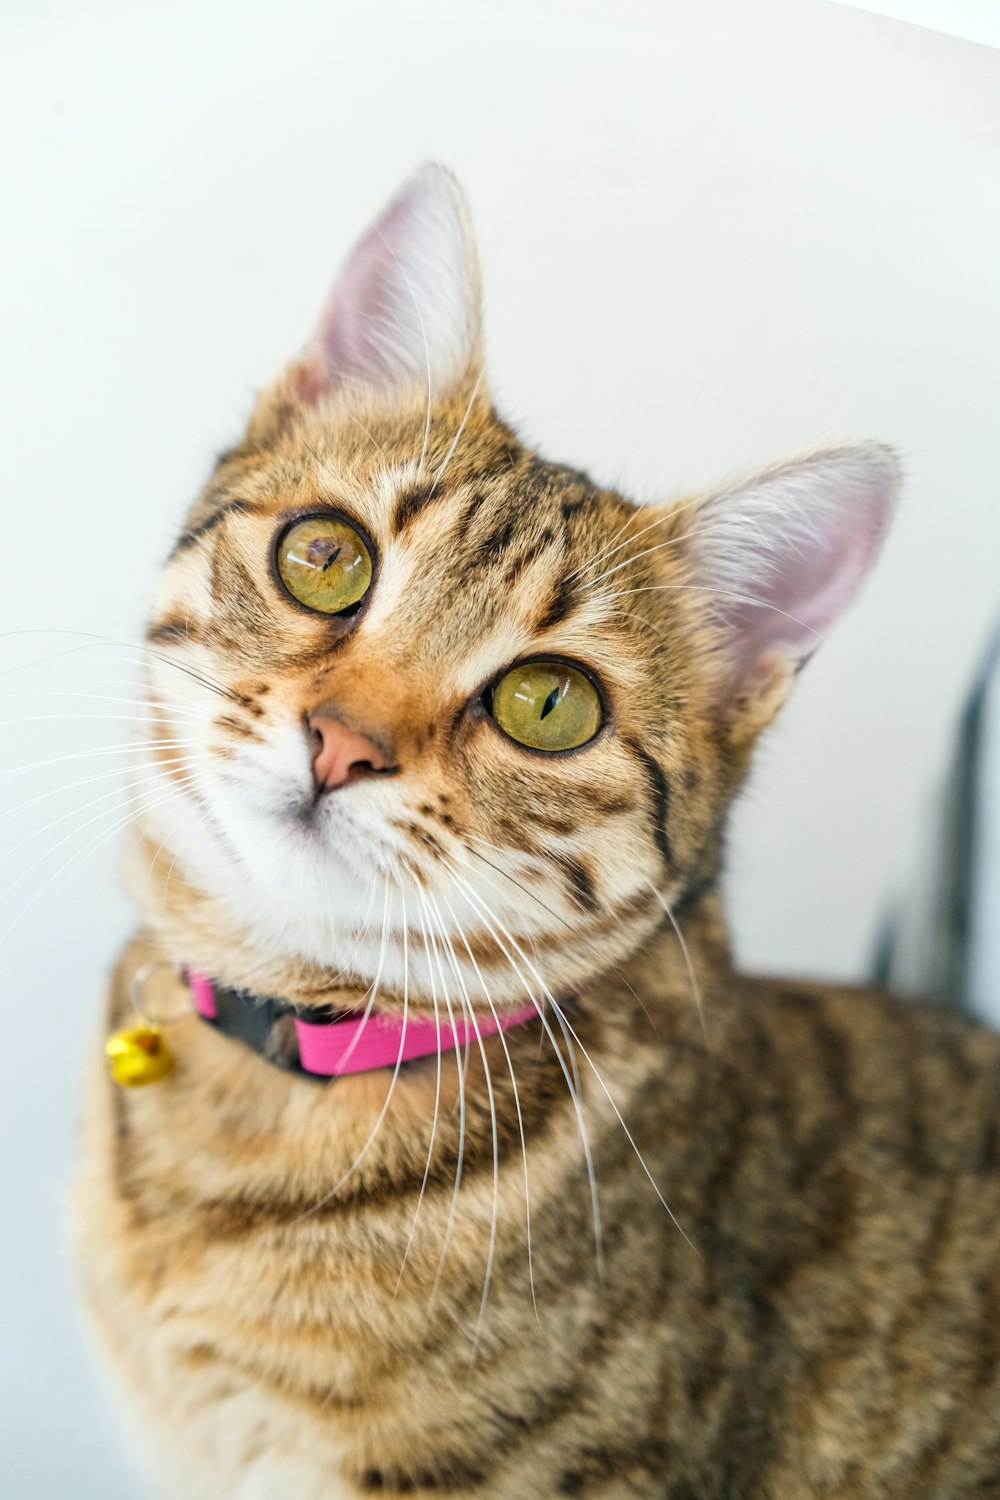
{"x":426,"y":706}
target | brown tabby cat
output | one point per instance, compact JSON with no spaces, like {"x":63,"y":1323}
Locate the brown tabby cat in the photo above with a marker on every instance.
{"x":437,"y":729}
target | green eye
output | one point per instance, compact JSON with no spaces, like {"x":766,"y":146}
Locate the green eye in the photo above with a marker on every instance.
{"x":324,"y":564}
{"x":547,"y":705}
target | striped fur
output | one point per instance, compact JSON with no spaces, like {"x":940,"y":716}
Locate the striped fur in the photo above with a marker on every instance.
{"x":687,"y":1234}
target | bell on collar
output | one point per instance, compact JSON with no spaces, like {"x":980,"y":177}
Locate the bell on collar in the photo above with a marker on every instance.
{"x":138,"y":1055}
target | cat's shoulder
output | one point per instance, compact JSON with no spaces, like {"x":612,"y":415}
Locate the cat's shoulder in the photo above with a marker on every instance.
{"x":918,"y":1083}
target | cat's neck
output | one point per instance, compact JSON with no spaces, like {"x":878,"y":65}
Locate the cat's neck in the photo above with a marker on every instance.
{"x":676,"y":953}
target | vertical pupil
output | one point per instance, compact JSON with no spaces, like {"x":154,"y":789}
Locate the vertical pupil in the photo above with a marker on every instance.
{"x":333,"y":556}
{"x":549,"y":703}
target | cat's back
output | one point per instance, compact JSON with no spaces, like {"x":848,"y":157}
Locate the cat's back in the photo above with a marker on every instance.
{"x":915,"y":1088}
{"x":849,"y":1216}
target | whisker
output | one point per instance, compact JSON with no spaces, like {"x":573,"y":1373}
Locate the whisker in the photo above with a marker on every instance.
{"x":129,"y":745}
{"x":594,"y":1069}
{"x":96,"y":697}
{"x":517,"y":1101}
{"x":578,"y":937}
{"x":628,"y":1134}
{"x":75,"y":811}
{"x":181,"y":846}
{"x":94,"y":640}
{"x":460,"y":1158}
{"x":92,"y":845}
{"x":464,"y":996}
{"x":699,"y":588}
{"x":581,"y":1122}
{"x":674,"y":541}
{"x":365,"y":923}
{"x":74,"y":718}
{"x":388,"y":1098}
{"x":368,"y":435}
{"x":695,"y":988}
{"x":373,"y":988}
{"x":437,"y":1103}
{"x":461,"y":428}
{"x":118,"y":774}
{"x":610,"y":551}
{"x":72,"y":834}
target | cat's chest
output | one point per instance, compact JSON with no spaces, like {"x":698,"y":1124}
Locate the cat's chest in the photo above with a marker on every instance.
{"x":247,"y":1443}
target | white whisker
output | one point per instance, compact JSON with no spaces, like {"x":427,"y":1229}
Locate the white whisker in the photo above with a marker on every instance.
{"x":517,"y":1101}
{"x":388,"y":1098}
{"x":91,"y":846}
{"x":437,"y":1102}
{"x":594,"y":1069}
{"x":461,"y":428}
{"x":581,"y":1122}
{"x":152,"y":776}
{"x":695,"y":988}
{"x":464,"y":996}
{"x":460,"y":1157}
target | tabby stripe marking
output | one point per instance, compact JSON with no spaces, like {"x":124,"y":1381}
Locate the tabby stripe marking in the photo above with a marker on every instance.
{"x":410,"y":505}
{"x":660,"y":793}
{"x":232,"y":507}
{"x":168,"y":632}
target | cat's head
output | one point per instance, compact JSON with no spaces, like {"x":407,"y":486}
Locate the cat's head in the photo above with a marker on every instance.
{"x":422,"y":700}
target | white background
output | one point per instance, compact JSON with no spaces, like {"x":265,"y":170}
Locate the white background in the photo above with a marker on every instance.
{"x":711,"y":233}
{"x":977,"y":20}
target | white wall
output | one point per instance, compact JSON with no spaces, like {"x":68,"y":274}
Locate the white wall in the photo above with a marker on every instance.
{"x":710,"y":233}
{"x":976,"y":20}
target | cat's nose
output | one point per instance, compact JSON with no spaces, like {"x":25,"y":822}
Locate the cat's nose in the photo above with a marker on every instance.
{"x":340,"y":754}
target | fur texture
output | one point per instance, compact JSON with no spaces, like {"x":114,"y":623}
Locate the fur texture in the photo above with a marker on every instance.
{"x":686,"y":1234}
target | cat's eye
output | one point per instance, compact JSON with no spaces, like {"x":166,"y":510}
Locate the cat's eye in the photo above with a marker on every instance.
{"x":547,"y":705}
{"x":324,"y":564}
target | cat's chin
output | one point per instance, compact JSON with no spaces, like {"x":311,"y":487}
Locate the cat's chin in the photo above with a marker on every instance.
{"x":306,"y":869}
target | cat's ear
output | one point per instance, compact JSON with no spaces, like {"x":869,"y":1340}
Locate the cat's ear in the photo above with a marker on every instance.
{"x":775,"y":558}
{"x":404,"y":314}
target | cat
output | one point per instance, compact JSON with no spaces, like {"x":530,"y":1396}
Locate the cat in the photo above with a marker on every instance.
{"x":466,"y":1163}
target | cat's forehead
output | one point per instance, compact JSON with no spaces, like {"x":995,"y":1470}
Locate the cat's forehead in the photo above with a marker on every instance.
{"x":503,"y":485}
{"x":476,"y":562}
{"x":494,"y":509}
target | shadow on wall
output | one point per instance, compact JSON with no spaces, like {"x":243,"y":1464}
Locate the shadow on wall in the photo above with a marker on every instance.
{"x":944,"y":941}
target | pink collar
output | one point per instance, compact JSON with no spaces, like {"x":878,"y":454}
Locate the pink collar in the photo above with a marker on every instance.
{"x":333,"y":1045}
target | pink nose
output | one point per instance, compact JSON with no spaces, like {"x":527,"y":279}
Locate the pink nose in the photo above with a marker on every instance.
{"x":340,"y":754}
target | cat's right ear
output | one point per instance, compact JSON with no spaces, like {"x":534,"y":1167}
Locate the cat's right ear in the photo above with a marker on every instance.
{"x":402,"y":323}
{"x":768,"y":563}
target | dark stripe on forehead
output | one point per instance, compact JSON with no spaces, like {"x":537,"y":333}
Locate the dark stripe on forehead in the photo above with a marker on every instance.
{"x":562,"y":602}
{"x":471,"y":509}
{"x":232,"y":507}
{"x":409,"y":505}
{"x":498,"y":541}
{"x":527,"y":557}
{"x":658,"y":791}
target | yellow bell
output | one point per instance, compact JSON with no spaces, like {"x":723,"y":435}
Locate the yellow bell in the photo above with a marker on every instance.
{"x":138,"y":1055}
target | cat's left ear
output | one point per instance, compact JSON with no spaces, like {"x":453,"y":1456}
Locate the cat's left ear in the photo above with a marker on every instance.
{"x":770,"y":562}
{"x":403,"y":318}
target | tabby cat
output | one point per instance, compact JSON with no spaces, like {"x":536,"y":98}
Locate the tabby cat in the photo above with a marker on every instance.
{"x":465,"y":1163}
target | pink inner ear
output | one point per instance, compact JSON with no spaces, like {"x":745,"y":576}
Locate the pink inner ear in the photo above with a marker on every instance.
{"x":371,"y":312}
{"x":405,"y":307}
{"x":788,"y":551}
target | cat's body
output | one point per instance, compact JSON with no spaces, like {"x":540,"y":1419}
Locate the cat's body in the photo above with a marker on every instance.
{"x":832,"y":1328}
{"x":764,"y":1246}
